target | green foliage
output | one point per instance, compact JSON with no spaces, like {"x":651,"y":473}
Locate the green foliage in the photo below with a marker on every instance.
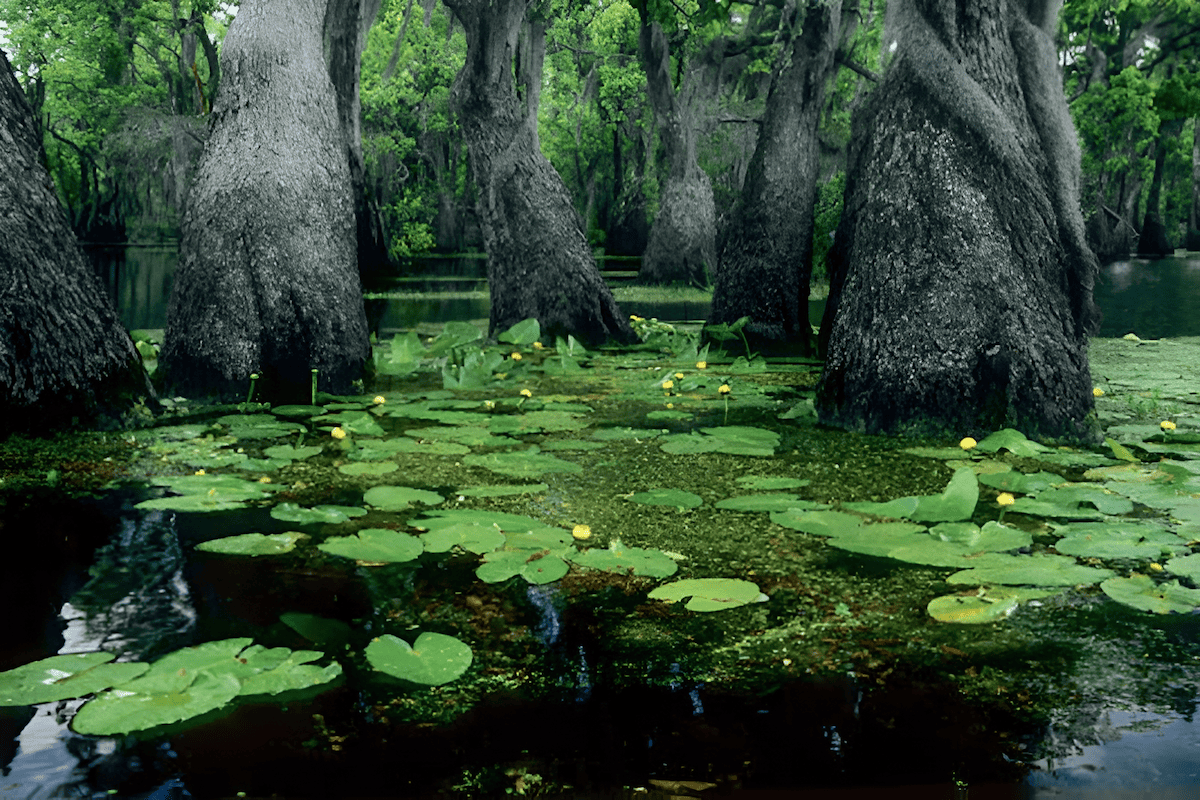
{"x":432,"y":660}
{"x":709,"y":594}
{"x":377,"y":545}
{"x":254,"y":544}
{"x":63,"y":677}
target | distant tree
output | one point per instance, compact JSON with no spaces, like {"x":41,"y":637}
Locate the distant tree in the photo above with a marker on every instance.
{"x":267,"y":281}
{"x":539,"y":263}
{"x":961,"y":283}
{"x":64,"y":356}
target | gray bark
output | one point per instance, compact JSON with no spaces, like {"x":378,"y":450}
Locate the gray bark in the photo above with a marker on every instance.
{"x":65,"y":359}
{"x":961,"y":284}
{"x":766,"y":258}
{"x":539,"y":264}
{"x":267,"y":280}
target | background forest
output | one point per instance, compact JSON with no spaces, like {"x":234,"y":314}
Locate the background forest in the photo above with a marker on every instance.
{"x":121,"y":89}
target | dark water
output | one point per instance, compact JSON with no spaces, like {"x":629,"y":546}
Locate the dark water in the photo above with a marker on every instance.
{"x":1150,"y":298}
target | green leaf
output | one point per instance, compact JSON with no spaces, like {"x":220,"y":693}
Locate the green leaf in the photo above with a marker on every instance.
{"x":454,"y":334}
{"x":771,"y":482}
{"x":522,"y":463}
{"x":298,"y":412}
{"x":525,"y":332}
{"x":64,"y":677}
{"x":322,"y":631}
{"x":767,"y":501}
{"x":359,"y":423}
{"x":989,"y":604}
{"x":254,"y":544}
{"x":137,"y":706}
{"x":1019,"y":482}
{"x":503,"y":490}
{"x":957,"y":502}
{"x":645,"y":562}
{"x":1140,"y":592}
{"x":818,"y":523}
{"x":432,"y":660}
{"x":469,"y":536}
{"x":330,"y":515}
{"x":399,"y":498}
{"x":374,"y":544}
{"x":1187,"y":566}
{"x":1013,"y":441}
{"x":709,"y":594}
{"x":1119,"y":539}
{"x":371,"y":468}
{"x":290,"y":453}
{"x":509,"y":523}
{"x":1033,"y":570}
{"x":668,"y":497}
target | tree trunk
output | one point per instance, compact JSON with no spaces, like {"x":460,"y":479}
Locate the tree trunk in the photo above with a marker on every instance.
{"x":766,"y":259}
{"x":65,"y":359}
{"x":683,"y":245}
{"x":1154,"y":241}
{"x":961,"y":284}
{"x":539,"y":264}
{"x":1193,"y":237}
{"x":267,"y":280}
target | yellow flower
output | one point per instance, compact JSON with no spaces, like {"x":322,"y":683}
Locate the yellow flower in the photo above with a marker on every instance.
{"x":1167,"y":425}
{"x":1156,"y":566}
{"x":489,"y":404}
{"x":526,"y":393}
{"x":199,"y":472}
{"x":1005,"y":499}
{"x":678,"y":376}
{"x":724,"y":389}
{"x":670,"y":405}
{"x":379,"y":400}
{"x":538,"y":345}
{"x":581,"y":532}
{"x":516,"y":356}
{"x":634,"y":317}
{"x":668,"y":384}
{"x":338,"y":433}
{"x":701,"y":365}
{"x":264,"y":479}
{"x":1097,"y":392}
{"x":967,"y":443}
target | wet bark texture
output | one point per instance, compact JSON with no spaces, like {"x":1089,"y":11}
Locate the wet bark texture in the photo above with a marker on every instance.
{"x":539,"y":264}
{"x":267,"y":281}
{"x":766,"y":258}
{"x":64,"y":356}
{"x":683,"y":245}
{"x":961,"y":283}
{"x":1154,"y":241}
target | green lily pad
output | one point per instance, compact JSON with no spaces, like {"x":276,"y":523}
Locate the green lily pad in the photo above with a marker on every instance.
{"x":989,"y":604}
{"x":668,"y":413}
{"x":399,"y":498}
{"x":328,"y":514}
{"x":521,"y":463}
{"x":951,"y":544}
{"x":771,"y":482}
{"x":64,"y":677}
{"x":1033,"y":570}
{"x":956,"y":503}
{"x":500,"y":565}
{"x":1011,"y":440}
{"x":454,"y":334}
{"x":767,"y":501}
{"x":571,"y":444}
{"x":525,"y":332}
{"x":469,"y":536}
{"x":536,"y":422}
{"x":432,"y":660}
{"x":625,"y":434}
{"x":359,"y":423}
{"x":1067,"y":502}
{"x":375,"y":544}
{"x":668,"y":497}
{"x":1021,"y":483}
{"x":297,"y":412}
{"x":372,"y":468}
{"x":207,"y":493}
{"x":254,"y":544}
{"x":291,"y":674}
{"x":555,"y":539}
{"x":1119,"y":539}
{"x":503,"y":490}
{"x":287,"y":452}
{"x":709,"y":594}
{"x":738,"y":440}
{"x":645,"y":562}
{"x":139,"y":706}
{"x":319,"y":630}
{"x":509,"y":523}
{"x":1187,"y":566}
{"x":1142,"y":593}
{"x":818,"y":523}
{"x":463,"y":434}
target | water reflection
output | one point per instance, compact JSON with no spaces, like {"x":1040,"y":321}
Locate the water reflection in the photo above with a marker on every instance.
{"x":1152,"y":299}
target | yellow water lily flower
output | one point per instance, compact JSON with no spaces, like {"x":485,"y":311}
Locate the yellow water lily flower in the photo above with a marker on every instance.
{"x":670,"y":405}
{"x":265,"y":479}
{"x":668,"y":384}
{"x":1005,"y":499}
{"x":199,"y":472}
{"x":1167,"y":425}
{"x":701,"y":365}
{"x":538,"y":345}
{"x":1156,"y":566}
{"x":516,"y":356}
{"x":724,"y":389}
{"x":678,"y":376}
{"x":338,"y":433}
{"x":581,"y":532}
{"x":526,"y":393}
{"x":1097,"y":392}
{"x":379,"y":400}
{"x":967,"y":443}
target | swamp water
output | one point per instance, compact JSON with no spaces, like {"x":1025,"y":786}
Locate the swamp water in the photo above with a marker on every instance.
{"x":876,"y":621}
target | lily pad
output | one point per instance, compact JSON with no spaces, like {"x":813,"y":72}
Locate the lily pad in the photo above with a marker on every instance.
{"x":399,"y":498}
{"x":956,"y":503}
{"x":1013,"y":441}
{"x":328,"y":514}
{"x":503,"y":490}
{"x":767,"y":501}
{"x":64,"y":677}
{"x":356,"y":422}
{"x":645,"y":562}
{"x":709,"y":594}
{"x":509,"y":523}
{"x":1142,"y":593}
{"x":432,"y":660}
{"x":322,"y":631}
{"x":254,"y":544}
{"x":1067,"y":502}
{"x":954,"y":544}
{"x":771,"y":482}
{"x":818,"y":523}
{"x":521,"y":463}
{"x":378,"y":545}
{"x":571,"y":444}
{"x":525,"y":332}
{"x":1032,"y":570}
{"x":500,"y":565}
{"x":147,"y":703}
{"x":668,"y":497}
{"x":625,"y":434}
{"x":1119,"y":539}
{"x":536,"y":422}
{"x":739,"y":440}
{"x":469,"y":536}
{"x":1187,"y":566}
{"x":1020,"y":482}
{"x":989,"y":604}
{"x":463,"y":434}
{"x":371,"y":468}
{"x":297,"y":411}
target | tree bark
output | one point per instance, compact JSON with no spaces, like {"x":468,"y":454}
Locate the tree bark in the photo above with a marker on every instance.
{"x":539,"y":264}
{"x":766,"y":258}
{"x":65,"y":358}
{"x":961,"y":283}
{"x":267,"y":280}
{"x":1154,"y":241}
{"x":1193,"y":236}
{"x":683,"y":245}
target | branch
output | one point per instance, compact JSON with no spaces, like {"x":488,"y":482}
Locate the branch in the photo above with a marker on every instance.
{"x":846,"y":61}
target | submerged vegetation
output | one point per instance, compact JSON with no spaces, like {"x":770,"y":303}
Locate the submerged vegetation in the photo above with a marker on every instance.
{"x":538,"y":518}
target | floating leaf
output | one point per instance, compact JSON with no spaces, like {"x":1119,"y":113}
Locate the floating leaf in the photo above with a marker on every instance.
{"x":399,"y":498}
{"x":371,"y":468}
{"x":319,"y":630}
{"x":625,"y":434}
{"x":1033,"y":570}
{"x":1142,"y":593}
{"x":571,"y":444}
{"x":328,"y":514}
{"x":359,"y":423}
{"x":767,"y":501}
{"x":137,"y":706}
{"x":818,"y":523}
{"x":1021,"y":483}
{"x":522,"y":463}
{"x":645,"y":562}
{"x":1187,"y":566}
{"x":469,"y":536}
{"x":536,"y":422}
{"x":951,"y":544}
{"x":378,"y":545}
{"x":432,"y":660}
{"x":1119,"y":539}
{"x":1067,"y":502}
{"x":500,"y":565}
{"x":709,"y":594}
{"x":503,"y":490}
{"x":464,"y":434}
{"x":64,"y":677}
{"x":987,"y":605}
{"x":668,"y":414}
{"x":509,"y":523}
{"x":771,"y":482}
{"x":297,"y":412}
{"x":668,"y":497}
{"x":454,"y":334}
{"x":525,"y":332}
{"x":254,"y":544}
{"x":290,"y":675}
{"x":956,"y":503}
{"x":1013,"y":441}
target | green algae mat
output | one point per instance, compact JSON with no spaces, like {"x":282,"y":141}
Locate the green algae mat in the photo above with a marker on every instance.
{"x":686,"y":499}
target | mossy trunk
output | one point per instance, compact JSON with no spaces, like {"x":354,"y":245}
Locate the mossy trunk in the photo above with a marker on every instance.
{"x":65,"y":358}
{"x":766,"y":258}
{"x":539,"y":263}
{"x":961,"y":283}
{"x":268,"y":281}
